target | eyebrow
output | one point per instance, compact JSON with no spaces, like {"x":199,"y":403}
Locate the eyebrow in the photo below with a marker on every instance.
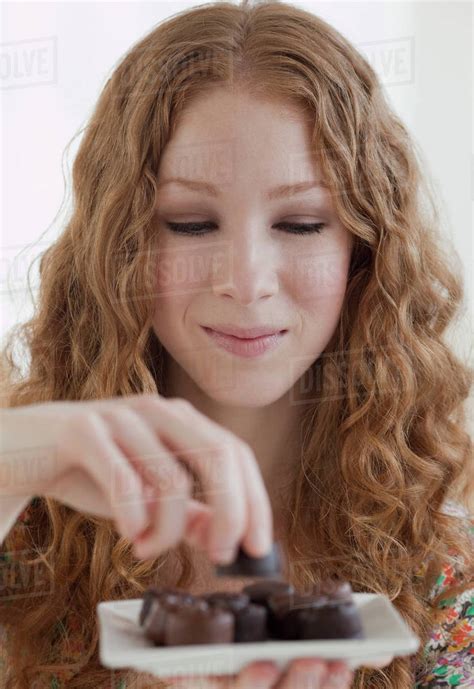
{"x":277,"y":192}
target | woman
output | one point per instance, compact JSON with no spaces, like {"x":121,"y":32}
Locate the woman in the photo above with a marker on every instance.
{"x":344,"y":430}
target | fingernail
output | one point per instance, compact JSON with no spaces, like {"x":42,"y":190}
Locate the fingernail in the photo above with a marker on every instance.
{"x":193,"y":539}
{"x":309,"y":678}
{"x":267,"y":665}
{"x":307,"y":672}
{"x":136,"y":518}
{"x":197,"y":536}
{"x":143,"y":550}
{"x":261,"y":540}
{"x":139,"y":551}
{"x":339,"y":679}
{"x":223,"y":555}
{"x":261,"y":673}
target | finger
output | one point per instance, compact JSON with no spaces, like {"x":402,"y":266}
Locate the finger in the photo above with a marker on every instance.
{"x":170,"y":481}
{"x":200,"y":682}
{"x":212,"y":454}
{"x":383,"y":661}
{"x":339,"y":676}
{"x":198,"y":518}
{"x":109,"y":468}
{"x":78,"y":490}
{"x":257,"y":675}
{"x":303,"y":673}
{"x":259,"y":528}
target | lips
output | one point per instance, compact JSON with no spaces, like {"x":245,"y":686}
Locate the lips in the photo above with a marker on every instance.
{"x":246,"y":347}
{"x":245,"y":333}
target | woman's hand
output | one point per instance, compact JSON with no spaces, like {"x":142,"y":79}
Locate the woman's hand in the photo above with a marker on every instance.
{"x":302,"y":673}
{"x":133,"y":459}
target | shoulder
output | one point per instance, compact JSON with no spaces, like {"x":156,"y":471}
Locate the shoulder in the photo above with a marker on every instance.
{"x":448,"y":654}
{"x":453,"y":572}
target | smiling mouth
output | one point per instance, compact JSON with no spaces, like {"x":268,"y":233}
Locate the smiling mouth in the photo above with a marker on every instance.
{"x":246,"y":347}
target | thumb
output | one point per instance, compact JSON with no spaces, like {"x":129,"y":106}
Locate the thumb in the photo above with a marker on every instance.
{"x":199,"y":682}
{"x":379,"y":662}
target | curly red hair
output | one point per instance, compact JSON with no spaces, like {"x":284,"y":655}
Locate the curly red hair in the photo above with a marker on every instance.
{"x":384,"y":444}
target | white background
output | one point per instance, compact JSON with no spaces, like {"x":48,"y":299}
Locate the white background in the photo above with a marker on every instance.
{"x":56,"y":57}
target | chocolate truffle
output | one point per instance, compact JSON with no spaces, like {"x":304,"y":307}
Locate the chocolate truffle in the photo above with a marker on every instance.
{"x":154,"y":622}
{"x":193,"y":625}
{"x":250,"y":619}
{"x":232,"y":601}
{"x":245,"y":565}
{"x":284,"y":611}
{"x":170,"y":594}
{"x":251,"y":624}
{"x":260,"y":591}
{"x":151,"y":593}
{"x":332,"y":621}
{"x":314,"y":616}
{"x":265,"y":609}
{"x":334,"y":590}
{"x":178,"y":597}
{"x":282,"y":602}
{"x":159,"y":602}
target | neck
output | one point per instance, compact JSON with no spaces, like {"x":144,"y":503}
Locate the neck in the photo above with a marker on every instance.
{"x":272,"y":431}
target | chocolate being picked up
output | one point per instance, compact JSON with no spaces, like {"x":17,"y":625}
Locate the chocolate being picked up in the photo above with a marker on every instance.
{"x":245,"y":565}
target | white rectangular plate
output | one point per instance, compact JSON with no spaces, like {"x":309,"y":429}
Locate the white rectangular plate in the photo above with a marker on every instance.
{"x":122,"y":643}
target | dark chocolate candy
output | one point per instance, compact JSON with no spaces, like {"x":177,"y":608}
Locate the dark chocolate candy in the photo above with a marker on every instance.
{"x":282,"y":602}
{"x":151,"y":593}
{"x":313,"y":616}
{"x":178,"y":597}
{"x":330,"y":622}
{"x":227,"y":599}
{"x":250,"y":619}
{"x":154,"y":622}
{"x":334,"y":590}
{"x":171,"y":594}
{"x":251,"y":624}
{"x":193,"y":625}
{"x":245,"y":565}
{"x":160,"y":602}
{"x":284,"y":612}
{"x":268,"y":608}
{"x":260,"y":591}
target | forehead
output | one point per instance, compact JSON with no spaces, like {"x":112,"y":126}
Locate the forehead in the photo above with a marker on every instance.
{"x":225,"y":135}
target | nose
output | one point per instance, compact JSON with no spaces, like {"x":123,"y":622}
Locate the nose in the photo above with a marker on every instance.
{"x":252,"y":271}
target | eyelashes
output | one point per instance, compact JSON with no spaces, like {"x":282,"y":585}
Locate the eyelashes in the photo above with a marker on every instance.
{"x":202,"y":228}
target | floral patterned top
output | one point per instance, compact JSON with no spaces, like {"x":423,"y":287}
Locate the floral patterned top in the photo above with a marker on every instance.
{"x":448,"y":655}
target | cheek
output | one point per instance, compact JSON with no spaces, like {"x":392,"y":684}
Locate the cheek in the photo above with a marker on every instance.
{"x":188,"y":269}
{"x":320,"y":278}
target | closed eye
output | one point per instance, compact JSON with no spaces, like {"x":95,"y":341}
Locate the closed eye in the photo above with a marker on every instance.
{"x":200,"y":228}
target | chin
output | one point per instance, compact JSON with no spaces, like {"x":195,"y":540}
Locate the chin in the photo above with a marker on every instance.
{"x":239,"y":395}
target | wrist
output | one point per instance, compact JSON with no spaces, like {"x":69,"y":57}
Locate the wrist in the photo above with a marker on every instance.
{"x":27,"y":459}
